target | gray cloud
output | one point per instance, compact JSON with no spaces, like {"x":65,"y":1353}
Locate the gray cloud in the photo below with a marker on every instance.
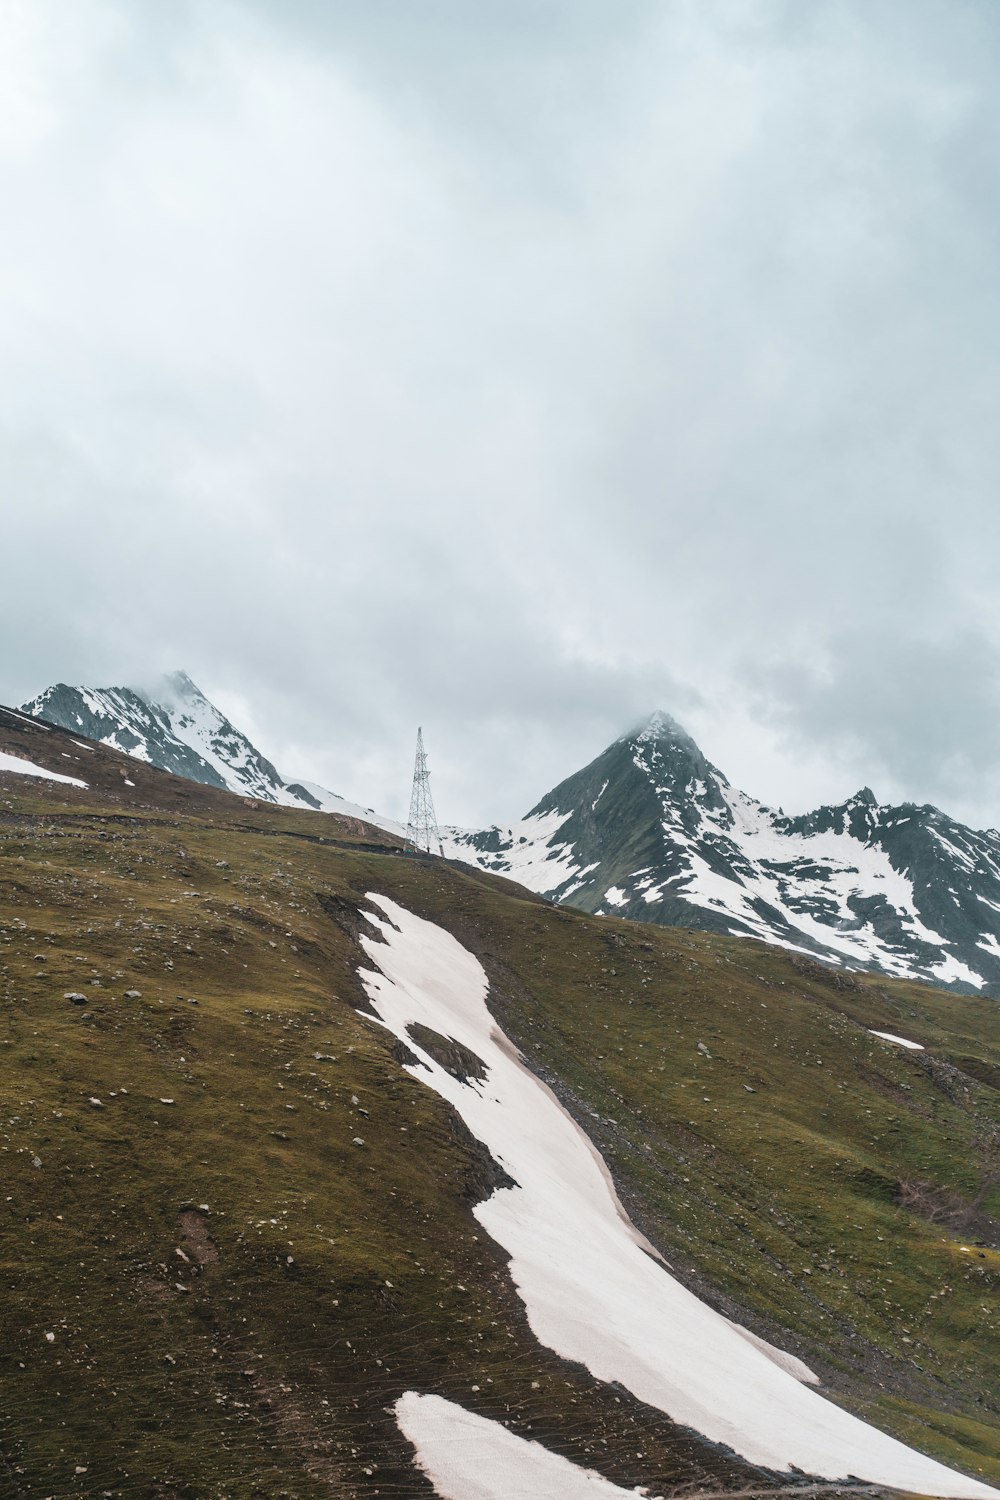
{"x":922,"y":711}
{"x":513,"y":369}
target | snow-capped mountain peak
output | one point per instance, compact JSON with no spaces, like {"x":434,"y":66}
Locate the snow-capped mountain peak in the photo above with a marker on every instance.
{"x":171,"y":724}
{"x":653,"y":831}
{"x":199,"y":724}
{"x":664,"y":729}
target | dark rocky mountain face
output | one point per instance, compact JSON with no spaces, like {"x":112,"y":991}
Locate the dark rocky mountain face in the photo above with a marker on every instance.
{"x":653,"y":831}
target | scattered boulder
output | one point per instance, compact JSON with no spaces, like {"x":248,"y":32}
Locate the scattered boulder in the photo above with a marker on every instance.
{"x":75,"y":998}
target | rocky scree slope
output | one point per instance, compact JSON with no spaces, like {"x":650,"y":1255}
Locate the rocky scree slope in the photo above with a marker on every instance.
{"x":237,"y":1229}
{"x":653,"y":831}
{"x":176,"y":728}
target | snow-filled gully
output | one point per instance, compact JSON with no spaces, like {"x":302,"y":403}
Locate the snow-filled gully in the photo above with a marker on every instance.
{"x":591,"y":1287}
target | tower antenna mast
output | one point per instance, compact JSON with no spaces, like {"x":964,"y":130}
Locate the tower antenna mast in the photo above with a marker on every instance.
{"x":421,"y":828}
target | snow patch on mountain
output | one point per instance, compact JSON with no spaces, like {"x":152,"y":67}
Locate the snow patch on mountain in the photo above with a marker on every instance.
{"x":899,"y":1041}
{"x":594,"y":1289}
{"x":527,"y":851}
{"x":20,"y":767}
{"x":469,"y":1457}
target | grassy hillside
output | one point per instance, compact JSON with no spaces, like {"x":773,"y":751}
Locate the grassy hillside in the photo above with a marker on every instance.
{"x":234,"y":1229}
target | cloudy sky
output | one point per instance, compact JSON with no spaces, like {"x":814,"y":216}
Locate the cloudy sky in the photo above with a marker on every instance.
{"x":513,"y":368}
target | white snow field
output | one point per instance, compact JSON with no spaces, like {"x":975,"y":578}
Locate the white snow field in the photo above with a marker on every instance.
{"x":28,"y":768}
{"x":533,"y":855}
{"x":467,"y":1457}
{"x":591,"y":1286}
{"x":899,"y":1041}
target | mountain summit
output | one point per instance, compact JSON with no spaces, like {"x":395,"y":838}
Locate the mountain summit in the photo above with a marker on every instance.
{"x":662,"y":726}
{"x":173,"y":726}
{"x":653,"y":831}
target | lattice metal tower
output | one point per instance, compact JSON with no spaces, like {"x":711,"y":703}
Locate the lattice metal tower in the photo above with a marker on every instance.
{"x":421,"y":829}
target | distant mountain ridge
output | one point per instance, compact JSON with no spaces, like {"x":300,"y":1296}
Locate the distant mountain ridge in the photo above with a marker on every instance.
{"x":176,"y":728}
{"x":653,"y":831}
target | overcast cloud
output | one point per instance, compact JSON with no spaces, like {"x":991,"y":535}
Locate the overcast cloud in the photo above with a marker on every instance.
{"x":515,"y":369}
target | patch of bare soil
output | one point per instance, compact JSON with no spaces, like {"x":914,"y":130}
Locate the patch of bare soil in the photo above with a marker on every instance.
{"x":947,"y":1207}
{"x":291,"y":1424}
{"x":198,"y":1242}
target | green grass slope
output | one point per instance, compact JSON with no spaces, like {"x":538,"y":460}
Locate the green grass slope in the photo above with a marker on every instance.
{"x":233,"y":1229}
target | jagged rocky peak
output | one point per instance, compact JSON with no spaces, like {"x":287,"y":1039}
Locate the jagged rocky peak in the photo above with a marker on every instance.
{"x":862,"y":812}
{"x":175,"y":687}
{"x":671,"y":742}
{"x":860,"y":816}
{"x":664,"y":729}
{"x":176,"y":694}
{"x":651,"y":830}
{"x":678,"y":769}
